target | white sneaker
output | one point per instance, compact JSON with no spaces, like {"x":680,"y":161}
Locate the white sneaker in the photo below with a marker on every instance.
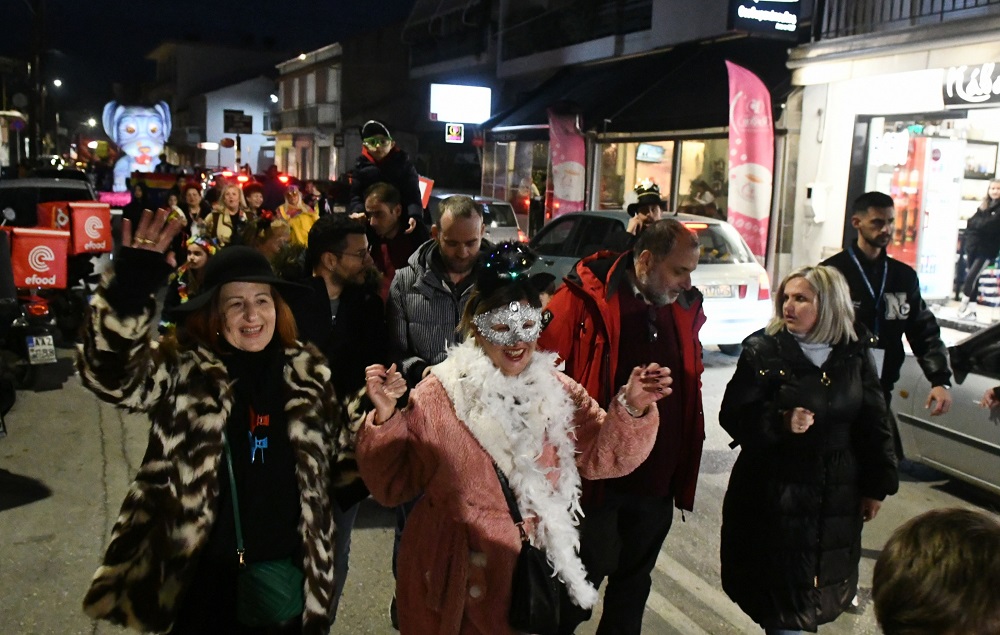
{"x":964,"y":306}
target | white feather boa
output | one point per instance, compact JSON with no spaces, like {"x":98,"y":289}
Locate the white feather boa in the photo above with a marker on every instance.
{"x":512,"y":418}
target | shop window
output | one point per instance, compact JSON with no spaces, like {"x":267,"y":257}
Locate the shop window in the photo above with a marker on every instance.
{"x":704,"y":186}
{"x":623,"y":165}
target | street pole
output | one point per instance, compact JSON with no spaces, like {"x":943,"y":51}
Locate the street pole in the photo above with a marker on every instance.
{"x":35,"y":130}
{"x":237,"y":152}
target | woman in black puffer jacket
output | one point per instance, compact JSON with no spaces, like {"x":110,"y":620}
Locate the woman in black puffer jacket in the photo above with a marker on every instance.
{"x":982,"y":242}
{"x":817,"y":457}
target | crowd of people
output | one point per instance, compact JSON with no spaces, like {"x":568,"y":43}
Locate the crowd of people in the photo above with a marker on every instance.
{"x":306,"y":359}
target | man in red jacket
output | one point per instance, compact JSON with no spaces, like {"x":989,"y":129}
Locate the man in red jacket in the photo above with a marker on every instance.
{"x":614,"y":313}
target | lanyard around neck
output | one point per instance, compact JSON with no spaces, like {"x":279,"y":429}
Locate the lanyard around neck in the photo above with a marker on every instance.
{"x":871,"y":291}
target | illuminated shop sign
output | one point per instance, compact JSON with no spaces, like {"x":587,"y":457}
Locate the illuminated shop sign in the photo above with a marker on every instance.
{"x":966,"y":86}
{"x":777,"y":18}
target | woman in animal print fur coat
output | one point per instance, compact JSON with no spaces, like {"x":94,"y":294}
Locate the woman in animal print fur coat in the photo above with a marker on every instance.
{"x":495,"y":399}
{"x":234,"y":369}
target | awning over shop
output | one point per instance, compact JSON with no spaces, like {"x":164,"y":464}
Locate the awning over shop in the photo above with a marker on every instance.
{"x":684,"y":88}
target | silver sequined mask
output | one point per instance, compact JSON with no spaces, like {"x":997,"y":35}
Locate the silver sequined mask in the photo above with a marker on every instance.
{"x":523,"y":322}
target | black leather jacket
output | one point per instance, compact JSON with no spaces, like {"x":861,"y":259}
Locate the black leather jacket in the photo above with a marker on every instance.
{"x":901,"y":310}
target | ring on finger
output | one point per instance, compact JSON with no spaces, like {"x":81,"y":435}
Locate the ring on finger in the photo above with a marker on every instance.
{"x":145,"y":241}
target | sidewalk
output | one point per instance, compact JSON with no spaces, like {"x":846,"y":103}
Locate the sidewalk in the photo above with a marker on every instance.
{"x":955,"y":328}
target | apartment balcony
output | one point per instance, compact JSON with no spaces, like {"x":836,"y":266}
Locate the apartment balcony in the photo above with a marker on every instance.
{"x":843,"y":18}
{"x":439,"y":31}
{"x":534,"y":31}
{"x":312,"y":116}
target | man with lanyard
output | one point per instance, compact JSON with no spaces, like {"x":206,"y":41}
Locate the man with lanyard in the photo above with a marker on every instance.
{"x":886,"y":295}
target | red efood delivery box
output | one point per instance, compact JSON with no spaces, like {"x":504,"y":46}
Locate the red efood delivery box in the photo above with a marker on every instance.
{"x":88,"y":222}
{"x":39,"y":257}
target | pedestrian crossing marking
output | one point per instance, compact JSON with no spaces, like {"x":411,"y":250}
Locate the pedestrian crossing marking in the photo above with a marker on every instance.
{"x":673,"y":615}
{"x":711,"y":597}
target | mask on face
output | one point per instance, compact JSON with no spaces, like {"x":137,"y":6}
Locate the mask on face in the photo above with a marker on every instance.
{"x":524,"y":324}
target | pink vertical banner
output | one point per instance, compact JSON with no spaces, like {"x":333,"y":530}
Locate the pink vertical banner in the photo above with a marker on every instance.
{"x":751,"y":157}
{"x":568,"y":154}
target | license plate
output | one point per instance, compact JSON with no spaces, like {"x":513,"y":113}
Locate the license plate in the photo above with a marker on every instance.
{"x":717,"y":291}
{"x":41,"y":350}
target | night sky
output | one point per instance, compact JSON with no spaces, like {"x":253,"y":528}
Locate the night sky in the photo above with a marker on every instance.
{"x":90,"y":45}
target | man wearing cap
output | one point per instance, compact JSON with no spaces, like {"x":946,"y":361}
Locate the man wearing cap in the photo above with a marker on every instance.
{"x":648,"y":208}
{"x":382,"y":161}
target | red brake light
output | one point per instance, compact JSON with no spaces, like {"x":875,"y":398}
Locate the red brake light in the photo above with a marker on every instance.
{"x":521,"y":236}
{"x":243,"y":178}
{"x":226,"y":173}
{"x":696,"y":226}
{"x":743,"y":291}
{"x":283,"y":178}
{"x":764,"y":288}
{"x":38,"y":309}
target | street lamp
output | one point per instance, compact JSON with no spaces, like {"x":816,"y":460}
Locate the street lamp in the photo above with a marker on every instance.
{"x":57,"y":82}
{"x":91,"y":122}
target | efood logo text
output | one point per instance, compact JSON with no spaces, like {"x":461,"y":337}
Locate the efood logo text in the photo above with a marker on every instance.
{"x":92,"y":227}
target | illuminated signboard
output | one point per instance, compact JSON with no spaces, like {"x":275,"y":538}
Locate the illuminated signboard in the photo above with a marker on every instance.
{"x":460,"y":104}
{"x":776,"y":18}
{"x":976,"y":85}
{"x":454,"y":133}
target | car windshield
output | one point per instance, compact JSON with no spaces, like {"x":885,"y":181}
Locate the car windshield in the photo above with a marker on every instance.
{"x":720,"y":244}
{"x":498,"y":215}
{"x":24,"y":200}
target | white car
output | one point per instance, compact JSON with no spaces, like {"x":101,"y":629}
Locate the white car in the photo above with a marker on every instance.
{"x":736,"y":288}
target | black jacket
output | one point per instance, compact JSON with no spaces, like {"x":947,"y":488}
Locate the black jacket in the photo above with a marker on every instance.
{"x":354,"y":341}
{"x":394,"y":169}
{"x":791,"y":518}
{"x":982,"y":233}
{"x":901,"y":311}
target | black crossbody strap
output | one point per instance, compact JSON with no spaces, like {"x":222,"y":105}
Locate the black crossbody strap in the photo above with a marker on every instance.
{"x":515,"y":513}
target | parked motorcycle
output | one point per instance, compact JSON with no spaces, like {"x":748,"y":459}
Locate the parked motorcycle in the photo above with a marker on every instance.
{"x":27,"y":326}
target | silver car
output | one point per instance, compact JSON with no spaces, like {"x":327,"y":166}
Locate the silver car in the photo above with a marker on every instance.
{"x":965,"y":442}
{"x":498,"y":217}
{"x":736,"y":288}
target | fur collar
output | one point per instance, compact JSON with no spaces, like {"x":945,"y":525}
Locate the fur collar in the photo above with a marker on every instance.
{"x":513,"y":418}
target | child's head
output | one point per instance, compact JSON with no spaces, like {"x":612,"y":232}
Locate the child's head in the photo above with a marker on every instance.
{"x":939,"y":574}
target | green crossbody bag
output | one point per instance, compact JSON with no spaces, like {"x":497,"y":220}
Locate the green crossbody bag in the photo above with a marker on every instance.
{"x":268,"y":592}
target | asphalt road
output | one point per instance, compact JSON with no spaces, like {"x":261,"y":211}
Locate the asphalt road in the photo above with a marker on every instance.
{"x":67,"y":461}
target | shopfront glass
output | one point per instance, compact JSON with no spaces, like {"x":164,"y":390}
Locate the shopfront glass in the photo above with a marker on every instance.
{"x":937,"y":169}
{"x":701,"y":185}
{"x":625,"y":164}
{"x":516,"y":171}
{"x":704,"y":166}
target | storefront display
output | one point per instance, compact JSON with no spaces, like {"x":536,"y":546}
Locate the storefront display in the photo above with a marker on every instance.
{"x":937,"y":168}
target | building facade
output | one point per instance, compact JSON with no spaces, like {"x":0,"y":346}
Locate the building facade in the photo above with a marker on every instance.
{"x":904,"y":100}
{"x":310,"y":89}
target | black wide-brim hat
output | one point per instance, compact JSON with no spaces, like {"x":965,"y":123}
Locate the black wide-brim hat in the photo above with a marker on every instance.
{"x":648,"y":198}
{"x":235,"y":263}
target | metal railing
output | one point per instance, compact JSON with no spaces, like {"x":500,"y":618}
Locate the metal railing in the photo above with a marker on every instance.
{"x":527,"y":33}
{"x":857,"y":17}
